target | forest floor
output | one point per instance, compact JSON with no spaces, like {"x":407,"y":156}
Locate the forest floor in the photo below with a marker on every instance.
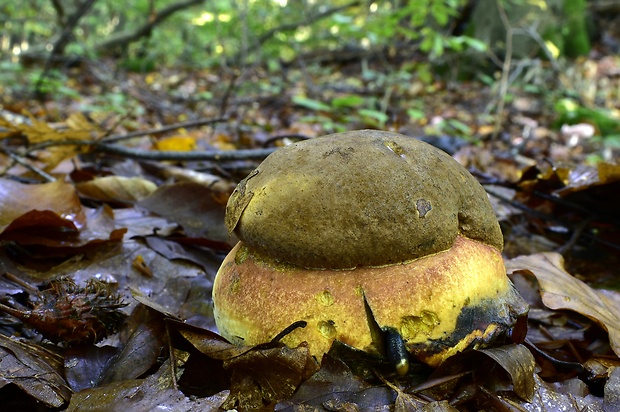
{"x":116,"y":183}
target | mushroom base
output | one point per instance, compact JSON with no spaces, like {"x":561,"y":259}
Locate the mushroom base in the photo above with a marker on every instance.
{"x":440,"y":304}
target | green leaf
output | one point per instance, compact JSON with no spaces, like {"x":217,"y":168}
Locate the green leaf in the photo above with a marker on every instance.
{"x":351,"y":100}
{"x":311,"y":104}
{"x":380,"y":117}
{"x":416,"y":114}
{"x":459,"y":126}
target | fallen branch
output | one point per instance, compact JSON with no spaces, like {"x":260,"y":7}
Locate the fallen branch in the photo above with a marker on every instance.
{"x":134,"y":153}
{"x":220,"y":155}
{"x":163,"y":129}
{"x":126,"y":38}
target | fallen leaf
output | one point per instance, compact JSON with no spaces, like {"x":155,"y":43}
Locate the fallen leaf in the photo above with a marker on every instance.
{"x":335,"y":387}
{"x":520,"y":364}
{"x":560,"y":290}
{"x":260,"y":375}
{"x":39,"y":131}
{"x":546,"y":398}
{"x":59,"y":197}
{"x":504,"y":369}
{"x":176,"y":143}
{"x":117,"y":188}
{"x":151,"y":394}
{"x":34,"y":370}
{"x":85,"y":364}
{"x":198,"y":208}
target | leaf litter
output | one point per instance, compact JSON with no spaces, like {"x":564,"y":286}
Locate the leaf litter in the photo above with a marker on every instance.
{"x":153,"y":233}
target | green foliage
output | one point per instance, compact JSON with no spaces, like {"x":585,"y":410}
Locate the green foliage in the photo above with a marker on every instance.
{"x":451,"y":127}
{"x":225,"y":30}
{"x":343,"y":110}
{"x":570,"y":112}
{"x":576,"y":40}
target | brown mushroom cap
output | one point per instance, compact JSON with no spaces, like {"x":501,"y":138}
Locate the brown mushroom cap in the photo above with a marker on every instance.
{"x":361,"y":198}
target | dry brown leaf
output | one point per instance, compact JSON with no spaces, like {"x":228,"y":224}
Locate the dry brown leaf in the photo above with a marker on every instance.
{"x":16,"y":199}
{"x":560,"y":290}
{"x":34,"y":370}
{"x":198,"y":208}
{"x":520,"y":365}
{"x":117,"y":188}
{"x":77,"y":121}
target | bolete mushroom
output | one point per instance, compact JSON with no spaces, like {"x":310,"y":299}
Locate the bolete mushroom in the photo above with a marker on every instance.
{"x":365,"y":228}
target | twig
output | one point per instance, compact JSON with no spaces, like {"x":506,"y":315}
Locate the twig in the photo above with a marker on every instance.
{"x":63,"y":40}
{"x":125,"y":38}
{"x":133,"y":153}
{"x":19,"y":160}
{"x":221,"y":155}
{"x":167,"y":128}
{"x":228,"y":92}
{"x":575,"y":236}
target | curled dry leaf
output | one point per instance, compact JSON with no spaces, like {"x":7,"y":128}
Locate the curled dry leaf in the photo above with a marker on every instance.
{"x":117,"y":188}
{"x":520,"y":364}
{"x":560,"y":290}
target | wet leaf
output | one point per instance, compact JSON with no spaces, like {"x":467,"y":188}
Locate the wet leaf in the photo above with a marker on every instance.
{"x":261,"y":375}
{"x":85,"y":364}
{"x":34,"y":370}
{"x":611,"y":401}
{"x":560,"y":290}
{"x":335,"y":387}
{"x":59,"y":197}
{"x":141,"y":346}
{"x":520,"y":365}
{"x":547,"y":398}
{"x":153,"y":393}
{"x":199,"y":209}
{"x":117,"y":188}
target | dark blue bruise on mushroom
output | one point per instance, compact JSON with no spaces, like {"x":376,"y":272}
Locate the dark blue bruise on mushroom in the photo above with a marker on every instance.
{"x":397,"y":353}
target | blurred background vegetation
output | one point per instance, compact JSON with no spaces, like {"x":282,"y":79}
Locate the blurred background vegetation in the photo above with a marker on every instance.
{"x":368,"y":51}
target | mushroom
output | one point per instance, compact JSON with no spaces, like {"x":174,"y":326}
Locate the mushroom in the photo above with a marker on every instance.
{"x":360,"y":233}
